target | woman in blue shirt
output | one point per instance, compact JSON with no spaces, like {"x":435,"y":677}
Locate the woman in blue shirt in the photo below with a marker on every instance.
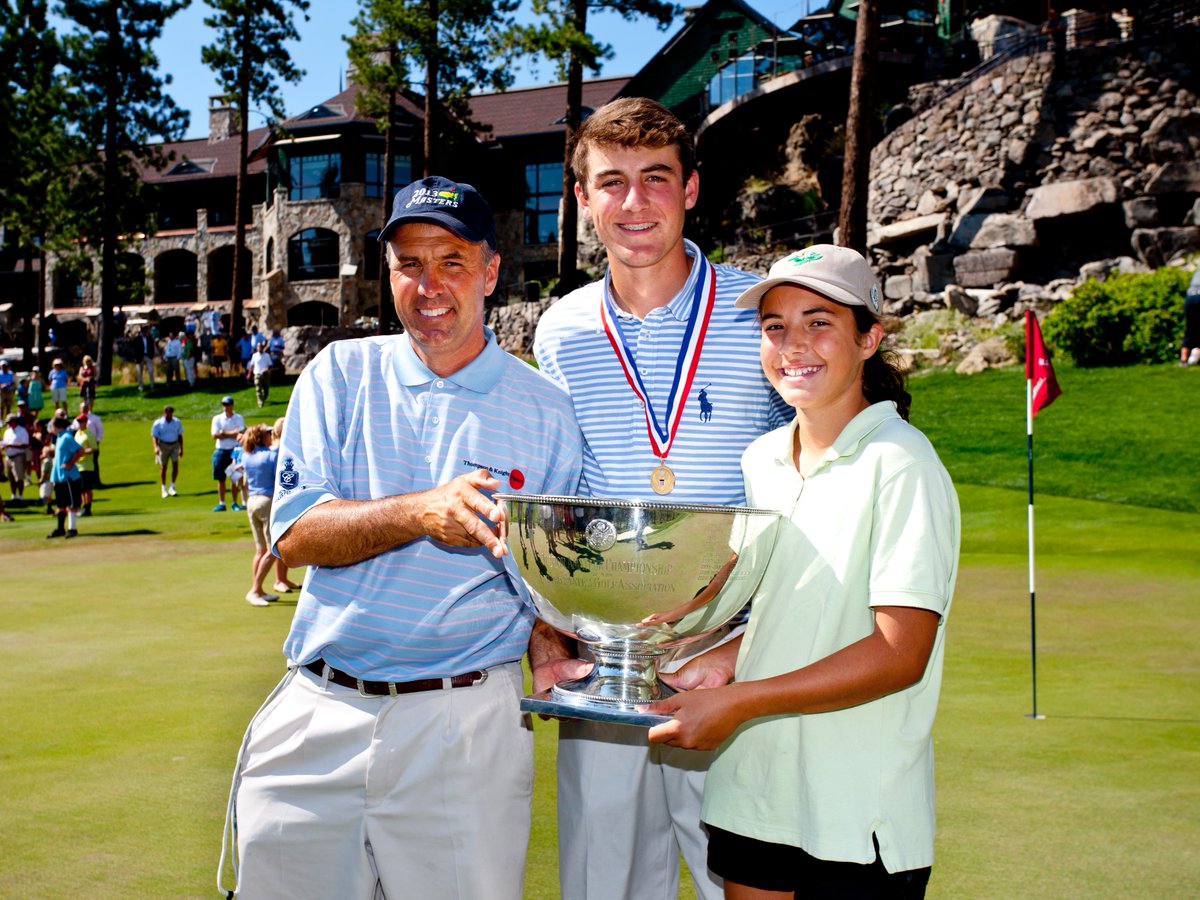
{"x":259,"y":459}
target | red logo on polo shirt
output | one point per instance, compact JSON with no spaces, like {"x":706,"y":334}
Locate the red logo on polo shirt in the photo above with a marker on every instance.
{"x":516,"y":479}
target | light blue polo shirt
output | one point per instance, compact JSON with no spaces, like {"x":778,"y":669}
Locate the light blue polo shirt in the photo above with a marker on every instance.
{"x":368,"y":419}
{"x":729,"y":405}
{"x":167,"y":432}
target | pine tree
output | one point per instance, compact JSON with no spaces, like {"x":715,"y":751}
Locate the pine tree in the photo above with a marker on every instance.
{"x":455,"y":44}
{"x":250,"y":57}
{"x":563,"y":38}
{"x":380,"y":68}
{"x":36,"y":150}
{"x":119,"y":109}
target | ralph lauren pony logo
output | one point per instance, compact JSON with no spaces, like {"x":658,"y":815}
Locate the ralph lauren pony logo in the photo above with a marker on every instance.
{"x":706,"y":407}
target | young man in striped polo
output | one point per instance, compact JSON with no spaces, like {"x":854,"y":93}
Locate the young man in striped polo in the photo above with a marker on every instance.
{"x":664,"y":375}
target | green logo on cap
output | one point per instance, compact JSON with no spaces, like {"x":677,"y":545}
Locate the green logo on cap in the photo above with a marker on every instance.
{"x":802,"y":258}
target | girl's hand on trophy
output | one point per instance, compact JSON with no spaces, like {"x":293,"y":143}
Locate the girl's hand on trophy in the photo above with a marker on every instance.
{"x":703,"y":719}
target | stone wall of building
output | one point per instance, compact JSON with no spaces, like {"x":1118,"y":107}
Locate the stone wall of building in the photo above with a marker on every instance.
{"x":350,"y":216}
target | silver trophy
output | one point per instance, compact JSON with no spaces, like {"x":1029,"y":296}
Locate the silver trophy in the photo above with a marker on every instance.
{"x":634,"y":581}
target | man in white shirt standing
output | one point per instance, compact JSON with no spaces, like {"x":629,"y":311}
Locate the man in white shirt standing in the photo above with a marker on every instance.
{"x":166,"y":434}
{"x":172,"y":355}
{"x":16,"y":447}
{"x":226,"y":426}
{"x":260,"y":372}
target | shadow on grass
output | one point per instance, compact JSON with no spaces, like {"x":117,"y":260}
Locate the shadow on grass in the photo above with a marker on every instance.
{"x":110,"y":485}
{"x":132,"y":532}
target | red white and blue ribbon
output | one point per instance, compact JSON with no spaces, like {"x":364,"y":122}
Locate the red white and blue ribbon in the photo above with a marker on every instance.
{"x":662,"y":434}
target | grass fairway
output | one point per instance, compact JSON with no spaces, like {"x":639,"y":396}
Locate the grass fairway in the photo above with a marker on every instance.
{"x":134,"y":664}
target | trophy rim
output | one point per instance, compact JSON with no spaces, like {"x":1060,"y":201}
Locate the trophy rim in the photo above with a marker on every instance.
{"x":617,"y":503}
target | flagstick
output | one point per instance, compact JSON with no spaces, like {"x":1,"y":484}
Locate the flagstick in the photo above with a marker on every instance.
{"x":1032,"y":605}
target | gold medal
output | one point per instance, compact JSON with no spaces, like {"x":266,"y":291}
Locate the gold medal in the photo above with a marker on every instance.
{"x":662,"y":479}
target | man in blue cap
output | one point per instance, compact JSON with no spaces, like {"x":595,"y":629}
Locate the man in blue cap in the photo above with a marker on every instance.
{"x":393,"y":759}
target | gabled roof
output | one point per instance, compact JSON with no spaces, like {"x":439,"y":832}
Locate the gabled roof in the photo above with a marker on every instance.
{"x":536,"y":110}
{"x":340,"y":109}
{"x":196,"y":159}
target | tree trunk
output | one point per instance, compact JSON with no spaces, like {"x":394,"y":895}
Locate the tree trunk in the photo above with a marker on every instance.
{"x":236,"y":319}
{"x":431,"y":88}
{"x":39,"y":348}
{"x":386,"y":317}
{"x":856,"y":171}
{"x":109,"y":225}
{"x":568,"y":240}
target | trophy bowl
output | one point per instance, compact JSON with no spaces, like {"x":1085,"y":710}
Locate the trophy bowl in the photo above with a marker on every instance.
{"x":632,"y":580}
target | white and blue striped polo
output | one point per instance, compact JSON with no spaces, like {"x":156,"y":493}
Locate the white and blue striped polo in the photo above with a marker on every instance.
{"x":367,"y":420}
{"x":730,"y":403}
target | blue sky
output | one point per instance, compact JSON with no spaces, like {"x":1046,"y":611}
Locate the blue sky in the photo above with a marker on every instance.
{"x":322,"y":52}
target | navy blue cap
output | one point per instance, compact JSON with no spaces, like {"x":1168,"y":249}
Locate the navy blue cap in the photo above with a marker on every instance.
{"x":456,"y":207}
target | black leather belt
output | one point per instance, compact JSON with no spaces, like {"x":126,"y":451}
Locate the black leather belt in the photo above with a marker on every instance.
{"x":322,"y":669}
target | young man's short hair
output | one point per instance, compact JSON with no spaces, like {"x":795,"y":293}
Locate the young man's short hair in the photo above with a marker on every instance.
{"x":631,"y":122}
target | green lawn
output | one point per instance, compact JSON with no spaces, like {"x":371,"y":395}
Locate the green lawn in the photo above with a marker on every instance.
{"x":134,"y":663}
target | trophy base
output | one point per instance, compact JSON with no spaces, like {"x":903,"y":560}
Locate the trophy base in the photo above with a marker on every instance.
{"x":544,"y":704}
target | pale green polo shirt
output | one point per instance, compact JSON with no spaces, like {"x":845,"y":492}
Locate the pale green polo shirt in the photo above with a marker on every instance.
{"x":875,"y":524}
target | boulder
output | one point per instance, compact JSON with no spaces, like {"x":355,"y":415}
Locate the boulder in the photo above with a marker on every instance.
{"x":933,"y":201}
{"x":932,"y":271}
{"x":983,"y":199}
{"x":1173,"y":136}
{"x":988,"y":354}
{"x":983,"y":231}
{"x":906,"y":228}
{"x":1140,"y":212}
{"x":897,"y":287}
{"x":960,"y":300}
{"x":1065,"y":198}
{"x":514,"y":324}
{"x":983,"y":268}
{"x":1158,"y":246}
{"x":1176,"y":178}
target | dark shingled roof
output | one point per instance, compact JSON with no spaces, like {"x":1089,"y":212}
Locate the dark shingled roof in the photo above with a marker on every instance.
{"x":207,"y":160}
{"x":523,"y":111}
{"x":535,"y":110}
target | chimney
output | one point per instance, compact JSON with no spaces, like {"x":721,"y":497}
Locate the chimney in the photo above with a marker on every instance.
{"x":222,"y":119}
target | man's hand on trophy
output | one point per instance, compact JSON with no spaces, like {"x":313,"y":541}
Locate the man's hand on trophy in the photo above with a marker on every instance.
{"x":452,"y":513}
{"x":708,"y":670}
{"x":550,"y":673}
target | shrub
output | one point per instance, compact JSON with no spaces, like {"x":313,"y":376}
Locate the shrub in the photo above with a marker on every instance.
{"x":1125,"y":319}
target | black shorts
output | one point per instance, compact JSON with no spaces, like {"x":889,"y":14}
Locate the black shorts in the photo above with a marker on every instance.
{"x":781,"y":867}
{"x":67,"y":493}
{"x":88,"y":478}
{"x":1191,"y":321}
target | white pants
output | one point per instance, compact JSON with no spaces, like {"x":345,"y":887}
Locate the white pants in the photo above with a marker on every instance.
{"x":626,"y":810}
{"x":420,"y":795}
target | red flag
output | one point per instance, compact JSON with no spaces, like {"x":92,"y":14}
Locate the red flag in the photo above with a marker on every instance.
{"x":1037,"y":365}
